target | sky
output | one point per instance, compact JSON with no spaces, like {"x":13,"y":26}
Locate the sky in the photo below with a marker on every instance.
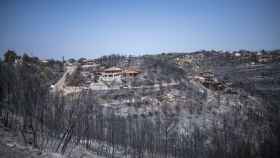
{"x":92,"y":28}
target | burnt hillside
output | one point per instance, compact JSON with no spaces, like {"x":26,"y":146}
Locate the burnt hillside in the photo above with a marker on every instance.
{"x":204,"y":104}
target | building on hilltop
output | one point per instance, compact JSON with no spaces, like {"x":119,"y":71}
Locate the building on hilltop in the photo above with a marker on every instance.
{"x":130,"y":72}
{"x":112,"y":73}
{"x":264,"y":58}
{"x":115,"y":73}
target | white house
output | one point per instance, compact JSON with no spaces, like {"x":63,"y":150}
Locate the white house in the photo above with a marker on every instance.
{"x":115,"y":73}
{"x":110,"y":74}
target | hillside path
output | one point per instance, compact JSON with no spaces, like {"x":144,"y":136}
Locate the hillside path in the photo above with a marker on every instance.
{"x":60,"y":84}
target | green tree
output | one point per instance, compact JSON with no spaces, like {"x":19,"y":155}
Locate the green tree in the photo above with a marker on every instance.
{"x":81,"y":60}
{"x":71,"y":60}
{"x":10,"y":56}
{"x":28,"y":59}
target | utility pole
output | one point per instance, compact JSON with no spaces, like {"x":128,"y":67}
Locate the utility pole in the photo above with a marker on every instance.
{"x":63,"y":59}
{"x":63,"y":62}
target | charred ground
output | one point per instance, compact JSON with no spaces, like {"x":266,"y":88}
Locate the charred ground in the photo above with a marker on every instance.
{"x":201,"y":104}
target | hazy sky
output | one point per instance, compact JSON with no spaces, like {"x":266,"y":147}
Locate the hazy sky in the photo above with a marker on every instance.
{"x":80,"y":28}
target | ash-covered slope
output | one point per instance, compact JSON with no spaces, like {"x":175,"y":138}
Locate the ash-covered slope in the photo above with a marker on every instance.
{"x":199,"y":92}
{"x":204,"y":104}
{"x":168,"y":85}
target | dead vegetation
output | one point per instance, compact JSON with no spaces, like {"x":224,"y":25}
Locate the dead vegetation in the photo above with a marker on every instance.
{"x":191,"y":118}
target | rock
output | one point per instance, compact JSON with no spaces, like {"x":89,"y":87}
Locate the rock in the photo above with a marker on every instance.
{"x":12,"y":145}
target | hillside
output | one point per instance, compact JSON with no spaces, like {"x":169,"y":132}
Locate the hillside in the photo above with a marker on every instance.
{"x":205,"y":104}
